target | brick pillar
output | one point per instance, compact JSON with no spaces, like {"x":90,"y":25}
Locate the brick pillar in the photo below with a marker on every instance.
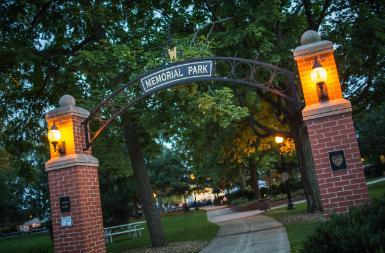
{"x":73,"y":177}
{"x":331,"y":130}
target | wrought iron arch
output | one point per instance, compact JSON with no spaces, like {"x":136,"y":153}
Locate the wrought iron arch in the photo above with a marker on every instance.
{"x":256,"y":74}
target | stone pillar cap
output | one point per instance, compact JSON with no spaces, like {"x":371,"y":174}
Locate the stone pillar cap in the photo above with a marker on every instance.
{"x":310,"y":36}
{"x":67,"y":100}
{"x":67,"y":105}
{"x":313,"y":48}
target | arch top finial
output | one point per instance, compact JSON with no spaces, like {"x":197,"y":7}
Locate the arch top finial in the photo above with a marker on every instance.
{"x":310,"y":36}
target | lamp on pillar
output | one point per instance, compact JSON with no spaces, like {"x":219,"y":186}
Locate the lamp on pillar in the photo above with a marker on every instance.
{"x":330,"y":128}
{"x":319,"y":75}
{"x":77,"y":223}
{"x":54,"y":137}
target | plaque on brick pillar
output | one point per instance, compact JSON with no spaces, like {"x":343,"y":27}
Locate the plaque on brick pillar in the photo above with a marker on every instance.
{"x":328,"y":118}
{"x":73,"y":183}
{"x":65,"y":204}
{"x":337,"y":160}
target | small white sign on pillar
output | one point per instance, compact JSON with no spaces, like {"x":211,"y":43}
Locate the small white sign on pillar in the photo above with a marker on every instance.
{"x":66,"y":221}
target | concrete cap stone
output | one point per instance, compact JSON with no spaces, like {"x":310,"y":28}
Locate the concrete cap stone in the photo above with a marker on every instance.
{"x":310,"y":36}
{"x":314,"y":48}
{"x":67,"y":100}
{"x":327,"y":108}
{"x":67,"y":106}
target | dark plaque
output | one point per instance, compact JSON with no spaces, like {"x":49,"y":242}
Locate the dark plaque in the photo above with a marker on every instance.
{"x":65,"y":204}
{"x":337,"y":160}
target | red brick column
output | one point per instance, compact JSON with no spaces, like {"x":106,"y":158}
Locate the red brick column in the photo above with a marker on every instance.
{"x":74,"y":175}
{"x":330,"y":127}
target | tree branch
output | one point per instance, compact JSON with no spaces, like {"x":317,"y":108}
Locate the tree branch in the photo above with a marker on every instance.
{"x":323,"y":13}
{"x":253,"y":122}
{"x":204,"y":26}
{"x":38,"y":15}
{"x":275,"y":104}
{"x":309,"y":15}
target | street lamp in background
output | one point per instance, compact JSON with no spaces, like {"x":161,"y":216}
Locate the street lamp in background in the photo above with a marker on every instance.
{"x":194,"y":186}
{"x":285,"y":176}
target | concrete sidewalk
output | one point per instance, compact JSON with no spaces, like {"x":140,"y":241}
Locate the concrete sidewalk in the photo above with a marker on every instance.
{"x":246,"y":232}
{"x":376,"y":181}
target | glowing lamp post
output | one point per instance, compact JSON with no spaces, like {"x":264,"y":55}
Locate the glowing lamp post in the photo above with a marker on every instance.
{"x":318,"y":75}
{"x":285,"y":177}
{"x":279,"y":139}
{"x":54,"y":137}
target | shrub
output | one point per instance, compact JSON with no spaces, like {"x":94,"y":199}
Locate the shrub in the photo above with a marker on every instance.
{"x":248,"y":194}
{"x":217,"y":202}
{"x":240,"y":201}
{"x":360,"y":230}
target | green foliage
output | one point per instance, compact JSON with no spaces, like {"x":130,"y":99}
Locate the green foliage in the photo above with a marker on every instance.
{"x":240,"y":201}
{"x":371,"y":132}
{"x":4,"y":159}
{"x":221,"y":108}
{"x":360,"y":62}
{"x":298,"y":234}
{"x":377,"y":190}
{"x":360,"y":230}
{"x":246,"y":194}
{"x":168,"y":174}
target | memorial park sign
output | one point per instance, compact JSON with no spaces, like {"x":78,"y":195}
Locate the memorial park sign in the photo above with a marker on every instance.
{"x":191,"y":71}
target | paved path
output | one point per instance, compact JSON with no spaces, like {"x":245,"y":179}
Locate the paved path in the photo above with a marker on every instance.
{"x":376,"y":181}
{"x":246,"y":232}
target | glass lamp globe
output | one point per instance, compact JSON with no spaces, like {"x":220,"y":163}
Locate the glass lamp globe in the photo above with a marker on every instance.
{"x":318,"y":74}
{"x":54,"y":134}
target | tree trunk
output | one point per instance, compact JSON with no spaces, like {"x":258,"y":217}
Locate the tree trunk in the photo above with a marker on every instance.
{"x":306,"y":164}
{"x":253,"y":178}
{"x":242,"y":179}
{"x":160,"y":200}
{"x":144,"y":187}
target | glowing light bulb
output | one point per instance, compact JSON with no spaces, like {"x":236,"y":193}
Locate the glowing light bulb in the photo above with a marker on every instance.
{"x":279,"y":139}
{"x":318,"y":74}
{"x":54,"y":134}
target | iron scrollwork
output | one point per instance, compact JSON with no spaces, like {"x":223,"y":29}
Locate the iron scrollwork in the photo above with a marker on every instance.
{"x":259,"y":75}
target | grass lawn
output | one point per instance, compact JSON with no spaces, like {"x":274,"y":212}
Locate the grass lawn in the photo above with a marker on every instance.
{"x":27,"y":244}
{"x":377,"y":190}
{"x":298,"y":233}
{"x":192,"y":226}
{"x":373,"y":178}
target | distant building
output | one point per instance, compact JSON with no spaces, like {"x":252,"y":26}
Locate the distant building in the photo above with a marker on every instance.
{"x":201,"y":196}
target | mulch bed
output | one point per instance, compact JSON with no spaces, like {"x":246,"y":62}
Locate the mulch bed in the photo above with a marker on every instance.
{"x":274,"y":203}
{"x":302,"y":218}
{"x":260,"y":206}
{"x":175,"y":247}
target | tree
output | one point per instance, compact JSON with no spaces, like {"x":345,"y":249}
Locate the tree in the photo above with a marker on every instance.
{"x":89,"y":50}
{"x":168,"y":174}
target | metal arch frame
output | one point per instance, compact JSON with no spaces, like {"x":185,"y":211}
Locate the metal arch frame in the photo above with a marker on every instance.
{"x":289,"y":92}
